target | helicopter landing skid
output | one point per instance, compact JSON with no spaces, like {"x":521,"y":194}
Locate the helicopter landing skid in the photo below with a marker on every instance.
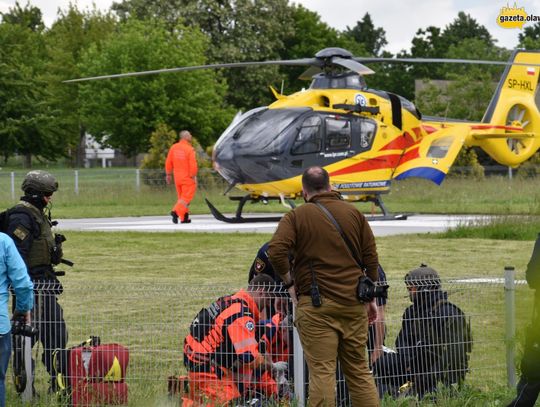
{"x":242,"y":200}
{"x":238,"y":218}
{"x":386,"y":215}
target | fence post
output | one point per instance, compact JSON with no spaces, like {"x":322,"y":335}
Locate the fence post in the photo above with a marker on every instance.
{"x":299,"y":374}
{"x":138,"y":180}
{"x":509,"y":296}
{"x":12,"y":186}
{"x":76,"y":182}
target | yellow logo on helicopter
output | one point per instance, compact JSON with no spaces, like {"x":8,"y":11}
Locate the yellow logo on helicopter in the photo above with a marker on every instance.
{"x":514,"y":17}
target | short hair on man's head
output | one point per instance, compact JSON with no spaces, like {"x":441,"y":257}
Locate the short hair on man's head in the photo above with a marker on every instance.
{"x":315,"y":179}
{"x":184,"y":134}
{"x":263,"y":281}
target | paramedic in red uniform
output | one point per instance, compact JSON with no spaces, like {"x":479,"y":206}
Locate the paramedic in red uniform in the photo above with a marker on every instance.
{"x":222,"y":349}
{"x":182,"y":163}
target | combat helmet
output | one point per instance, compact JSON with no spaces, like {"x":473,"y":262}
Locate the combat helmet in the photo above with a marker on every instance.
{"x":39,"y":182}
{"x":423,"y":277}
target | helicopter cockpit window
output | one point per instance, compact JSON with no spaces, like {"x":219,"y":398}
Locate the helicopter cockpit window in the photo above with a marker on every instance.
{"x":338,"y":134}
{"x":263,"y":133}
{"x":367,"y":133}
{"x":309,"y":138}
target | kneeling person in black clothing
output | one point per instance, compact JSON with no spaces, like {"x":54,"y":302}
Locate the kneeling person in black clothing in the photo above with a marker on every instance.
{"x":433,"y":344}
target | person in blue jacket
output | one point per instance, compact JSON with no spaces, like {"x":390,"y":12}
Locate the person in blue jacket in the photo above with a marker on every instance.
{"x":12,"y":274}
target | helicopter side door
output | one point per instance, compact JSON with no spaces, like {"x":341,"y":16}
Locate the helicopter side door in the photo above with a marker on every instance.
{"x":323,"y":139}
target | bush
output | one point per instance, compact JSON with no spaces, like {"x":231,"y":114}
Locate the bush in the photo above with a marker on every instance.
{"x":154,"y":162}
{"x":467,"y":165}
{"x":530,"y":168}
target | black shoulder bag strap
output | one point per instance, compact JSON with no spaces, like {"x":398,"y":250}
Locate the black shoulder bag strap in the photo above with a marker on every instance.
{"x":343,"y":236}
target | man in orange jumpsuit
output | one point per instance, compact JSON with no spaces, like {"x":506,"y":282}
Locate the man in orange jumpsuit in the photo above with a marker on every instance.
{"x":182,"y":163}
{"x":222,"y":349}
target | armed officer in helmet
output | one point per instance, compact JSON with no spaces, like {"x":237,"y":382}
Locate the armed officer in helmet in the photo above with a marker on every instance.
{"x":30,"y":226}
{"x":433,"y":344}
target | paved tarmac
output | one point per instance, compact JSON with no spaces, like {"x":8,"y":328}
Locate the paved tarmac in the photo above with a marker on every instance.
{"x":207,"y":224}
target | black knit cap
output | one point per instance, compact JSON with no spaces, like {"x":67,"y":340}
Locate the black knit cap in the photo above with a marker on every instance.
{"x":423,"y":276}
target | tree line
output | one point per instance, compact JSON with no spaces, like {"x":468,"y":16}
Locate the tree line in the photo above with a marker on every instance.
{"x":44,"y":118}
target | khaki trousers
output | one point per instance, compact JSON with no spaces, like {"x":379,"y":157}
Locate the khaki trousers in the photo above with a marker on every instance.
{"x":335,"y":331}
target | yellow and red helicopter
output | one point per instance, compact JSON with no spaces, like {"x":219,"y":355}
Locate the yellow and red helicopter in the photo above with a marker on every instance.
{"x":364,"y":138}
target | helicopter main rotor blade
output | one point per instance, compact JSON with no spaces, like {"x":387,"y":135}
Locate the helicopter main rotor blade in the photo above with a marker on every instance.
{"x":310,"y":72}
{"x":352,"y":65}
{"x":292,"y":62}
{"x":441,"y":61}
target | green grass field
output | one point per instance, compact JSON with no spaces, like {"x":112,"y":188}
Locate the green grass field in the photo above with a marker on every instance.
{"x":114,"y":192}
{"x":142,"y":290}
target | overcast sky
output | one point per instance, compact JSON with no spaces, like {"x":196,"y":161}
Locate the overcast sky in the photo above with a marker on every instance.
{"x":399,"y":18}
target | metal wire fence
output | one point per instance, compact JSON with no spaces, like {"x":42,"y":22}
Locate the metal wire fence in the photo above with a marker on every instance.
{"x":90,"y":181}
{"x":150,"y":319}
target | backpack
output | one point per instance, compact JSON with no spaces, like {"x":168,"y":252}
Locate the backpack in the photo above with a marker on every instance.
{"x":4,"y":216}
{"x":92,"y":373}
{"x":206,"y":318}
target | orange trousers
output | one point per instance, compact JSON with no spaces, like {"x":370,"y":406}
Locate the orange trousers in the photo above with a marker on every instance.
{"x":206,"y":389}
{"x":185,"y":190}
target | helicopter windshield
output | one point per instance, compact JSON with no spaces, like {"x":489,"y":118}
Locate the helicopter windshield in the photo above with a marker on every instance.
{"x":262,"y":133}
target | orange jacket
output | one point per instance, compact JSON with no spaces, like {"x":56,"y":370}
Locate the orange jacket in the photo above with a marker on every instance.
{"x":275,"y":338}
{"x":230,"y":338}
{"x":181,"y":160}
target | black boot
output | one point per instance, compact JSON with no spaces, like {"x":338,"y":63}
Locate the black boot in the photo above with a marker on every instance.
{"x":186,"y":218}
{"x":174,"y":217}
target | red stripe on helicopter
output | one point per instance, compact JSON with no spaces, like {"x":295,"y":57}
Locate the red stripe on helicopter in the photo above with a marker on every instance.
{"x":382,"y":162}
{"x":418,"y":132}
{"x":400,"y":143}
{"x":429,"y":129}
{"x":405,"y":140}
{"x":491,"y":126}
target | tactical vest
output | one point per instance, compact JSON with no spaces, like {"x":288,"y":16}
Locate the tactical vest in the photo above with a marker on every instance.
{"x":43,"y":244}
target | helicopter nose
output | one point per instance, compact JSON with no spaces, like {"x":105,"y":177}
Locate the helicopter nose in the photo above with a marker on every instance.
{"x":240,"y":166}
{"x":225,"y":163}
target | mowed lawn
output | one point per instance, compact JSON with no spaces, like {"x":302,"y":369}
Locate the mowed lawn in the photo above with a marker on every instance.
{"x":143,"y":289}
{"x":114,"y":192}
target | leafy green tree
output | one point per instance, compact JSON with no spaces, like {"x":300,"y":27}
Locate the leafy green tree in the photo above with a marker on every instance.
{"x":161,"y":140}
{"x":364,"y":32}
{"x":124,"y":112}
{"x":70,"y":35}
{"x":530,"y":37}
{"x":29,"y":17}
{"x":239,"y":31}
{"x":243,"y":30}
{"x":308,"y":36}
{"x":396,"y":78}
{"x":169,"y":11}
{"x":25,"y":118}
{"x":463,"y":27}
{"x":433,"y":42}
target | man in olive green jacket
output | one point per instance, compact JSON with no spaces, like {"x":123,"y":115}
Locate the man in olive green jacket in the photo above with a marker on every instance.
{"x":337,"y":328}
